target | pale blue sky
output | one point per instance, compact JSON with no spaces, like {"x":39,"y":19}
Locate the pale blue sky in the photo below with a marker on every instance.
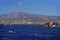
{"x":42,"y":7}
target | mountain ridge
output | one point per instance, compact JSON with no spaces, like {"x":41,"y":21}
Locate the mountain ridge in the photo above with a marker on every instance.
{"x":26,"y":17}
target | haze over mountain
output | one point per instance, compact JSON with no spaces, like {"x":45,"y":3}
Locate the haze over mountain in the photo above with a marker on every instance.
{"x":22,"y":17}
{"x":43,"y":7}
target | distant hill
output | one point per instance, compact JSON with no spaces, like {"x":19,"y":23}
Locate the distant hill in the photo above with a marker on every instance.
{"x":22,"y":17}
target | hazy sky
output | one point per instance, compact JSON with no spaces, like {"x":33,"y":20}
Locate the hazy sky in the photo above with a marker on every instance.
{"x":43,"y":7}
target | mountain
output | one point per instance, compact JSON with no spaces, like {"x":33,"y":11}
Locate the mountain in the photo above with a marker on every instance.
{"x":22,"y":17}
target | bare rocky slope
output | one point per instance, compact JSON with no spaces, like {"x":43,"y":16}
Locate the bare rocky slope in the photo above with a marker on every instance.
{"x":22,"y":17}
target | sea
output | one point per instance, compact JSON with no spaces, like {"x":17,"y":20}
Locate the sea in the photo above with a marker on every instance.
{"x":29,"y":32}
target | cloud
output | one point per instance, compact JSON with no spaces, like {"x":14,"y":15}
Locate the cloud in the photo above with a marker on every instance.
{"x":20,"y":3}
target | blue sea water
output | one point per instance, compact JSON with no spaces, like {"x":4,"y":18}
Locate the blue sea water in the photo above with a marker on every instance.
{"x":28,"y":32}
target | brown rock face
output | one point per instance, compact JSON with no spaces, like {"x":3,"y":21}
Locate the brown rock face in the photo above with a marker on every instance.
{"x":47,"y":24}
